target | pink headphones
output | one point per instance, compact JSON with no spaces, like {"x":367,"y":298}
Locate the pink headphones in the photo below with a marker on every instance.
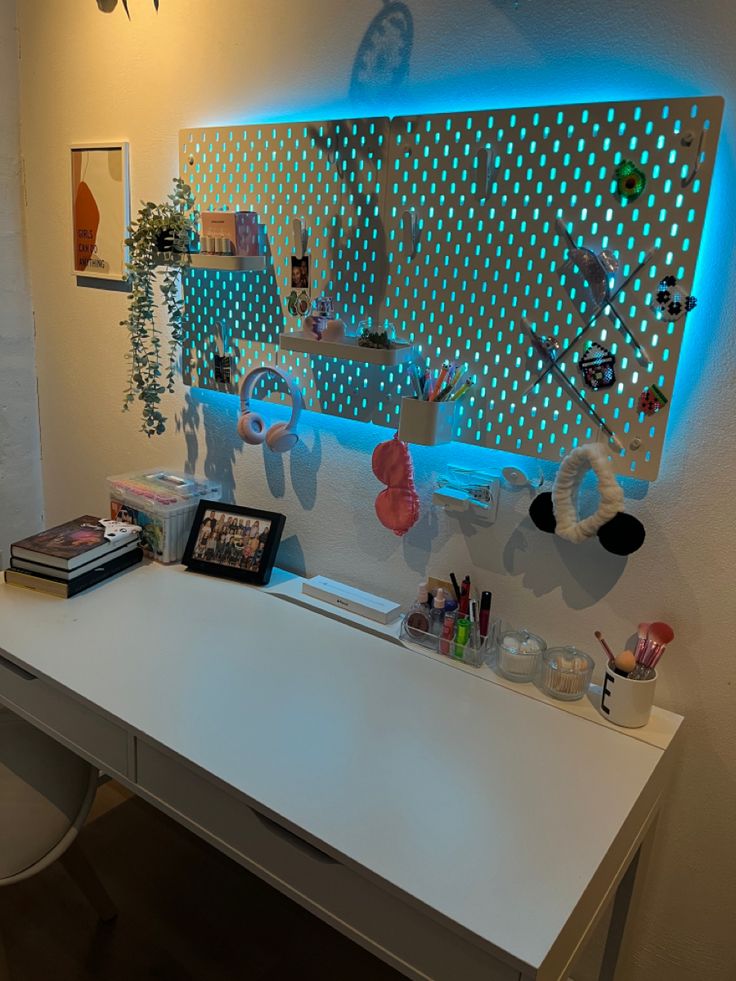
{"x":282,"y":436}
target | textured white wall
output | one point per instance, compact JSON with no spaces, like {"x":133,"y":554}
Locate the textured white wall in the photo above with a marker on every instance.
{"x":20,"y":460}
{"x":88,"y":76}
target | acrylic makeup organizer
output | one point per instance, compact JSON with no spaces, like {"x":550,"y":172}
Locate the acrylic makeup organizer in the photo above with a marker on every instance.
{"x":470,"y":654}
{"x":447,"y":225}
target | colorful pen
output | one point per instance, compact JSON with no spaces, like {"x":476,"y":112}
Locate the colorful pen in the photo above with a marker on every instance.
{"x":440,"y":383}
{"x":462,"y":390}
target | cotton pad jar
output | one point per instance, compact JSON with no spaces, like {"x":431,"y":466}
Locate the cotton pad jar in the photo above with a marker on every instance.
{"x":566,"y":673}
{"x":518,"y":655}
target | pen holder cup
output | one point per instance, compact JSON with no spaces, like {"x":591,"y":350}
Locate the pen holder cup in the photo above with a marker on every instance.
{"x":426,"y":423}
{"x":517,"y":655}
{"x":412,"y":632}
{"x":625,"y":702}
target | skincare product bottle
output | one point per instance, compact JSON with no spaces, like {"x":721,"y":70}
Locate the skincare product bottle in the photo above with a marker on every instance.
{"x":438,"y":611}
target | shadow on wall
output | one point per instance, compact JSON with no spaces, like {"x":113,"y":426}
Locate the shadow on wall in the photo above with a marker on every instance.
{"x":304,"y":464}
{"x":584,"y":573}
{"x":221,"y":443}
{"x":382,"y":61}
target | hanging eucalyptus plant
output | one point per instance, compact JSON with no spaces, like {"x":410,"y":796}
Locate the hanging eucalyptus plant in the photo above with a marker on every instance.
{"x":160,"y":237}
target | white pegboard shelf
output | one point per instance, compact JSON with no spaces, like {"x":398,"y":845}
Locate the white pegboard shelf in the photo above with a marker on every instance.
{"x":229,"y":263}
{"x":347,"y":349}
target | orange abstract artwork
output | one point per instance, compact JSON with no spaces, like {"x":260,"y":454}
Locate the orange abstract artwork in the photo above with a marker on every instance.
{"x":100,"y":210}
{"x":86,"y":222}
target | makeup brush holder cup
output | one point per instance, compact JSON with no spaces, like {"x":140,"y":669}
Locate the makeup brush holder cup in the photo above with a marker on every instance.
{"x":625,"y":702}
{"x":426,"y":423}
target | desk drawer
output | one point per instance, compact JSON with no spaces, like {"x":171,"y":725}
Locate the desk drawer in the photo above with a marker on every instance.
{"x":82,"y":729}
{"x":408,"y":939}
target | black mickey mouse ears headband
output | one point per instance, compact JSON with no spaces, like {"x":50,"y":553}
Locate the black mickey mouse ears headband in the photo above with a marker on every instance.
{"x":557,"y":513}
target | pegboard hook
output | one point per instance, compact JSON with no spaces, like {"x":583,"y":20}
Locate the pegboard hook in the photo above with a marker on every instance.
{"x":411,"y":231}
{"x":687,"y":140}
{"x":301,"y":237}
{"x":486,"y":171}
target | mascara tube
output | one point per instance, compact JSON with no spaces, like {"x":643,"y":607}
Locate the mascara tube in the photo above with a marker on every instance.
{"x":485,"y":613}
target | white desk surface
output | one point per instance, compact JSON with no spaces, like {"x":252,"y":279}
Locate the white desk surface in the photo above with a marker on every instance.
{"x":493,"y":809}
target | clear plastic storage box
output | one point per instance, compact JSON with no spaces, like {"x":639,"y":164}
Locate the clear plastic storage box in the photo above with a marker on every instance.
{"x":163,"y":504}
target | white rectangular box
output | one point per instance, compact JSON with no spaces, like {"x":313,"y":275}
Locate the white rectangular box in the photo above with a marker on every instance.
{"x":351,"y":599}
{"x":163,"y":504}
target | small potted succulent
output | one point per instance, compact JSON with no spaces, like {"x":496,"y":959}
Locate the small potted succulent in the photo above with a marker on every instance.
{"x":160,"y":237}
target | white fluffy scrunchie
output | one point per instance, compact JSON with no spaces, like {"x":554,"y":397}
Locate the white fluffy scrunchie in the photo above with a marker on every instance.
{"x":567,"y":487}
{"x":557,"y":513}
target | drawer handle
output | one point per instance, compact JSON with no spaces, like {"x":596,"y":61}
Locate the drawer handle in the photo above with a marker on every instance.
{"x":25,"y":675}
{"x":295,"y":840}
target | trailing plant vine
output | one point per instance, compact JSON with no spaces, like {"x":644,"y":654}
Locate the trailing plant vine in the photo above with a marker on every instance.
{"x":160,"y":233}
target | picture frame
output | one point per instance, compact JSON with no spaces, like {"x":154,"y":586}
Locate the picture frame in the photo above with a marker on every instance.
{"x":100,"y":198}
{"x":234,"y":541}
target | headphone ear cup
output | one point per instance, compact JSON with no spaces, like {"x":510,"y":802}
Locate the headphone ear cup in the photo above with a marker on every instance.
{"x":280,"y":438}
{"x":542,"y":512}
{"x":251,"y":428}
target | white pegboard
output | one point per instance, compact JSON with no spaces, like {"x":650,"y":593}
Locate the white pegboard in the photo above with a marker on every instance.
{"x":330,"y":175}
{"x":486,"y":189}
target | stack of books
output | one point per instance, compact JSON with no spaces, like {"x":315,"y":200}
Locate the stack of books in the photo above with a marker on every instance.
{"x":72,"y":557}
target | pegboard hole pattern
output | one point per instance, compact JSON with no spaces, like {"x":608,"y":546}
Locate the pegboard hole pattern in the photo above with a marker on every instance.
{"x":487,"y":189}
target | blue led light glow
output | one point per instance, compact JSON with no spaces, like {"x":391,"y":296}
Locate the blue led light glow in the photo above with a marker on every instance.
{"x":479,"y":264}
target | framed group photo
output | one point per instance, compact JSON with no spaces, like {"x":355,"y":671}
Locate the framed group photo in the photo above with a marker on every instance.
{"x":233,"y":541}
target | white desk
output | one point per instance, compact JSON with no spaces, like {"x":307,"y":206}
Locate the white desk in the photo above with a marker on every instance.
{"x":453,"y":827}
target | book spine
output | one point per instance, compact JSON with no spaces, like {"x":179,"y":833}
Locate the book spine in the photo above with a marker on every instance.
{"x":75,"y":586}
{"x":52,"y":587}
{"x":66,"y":590}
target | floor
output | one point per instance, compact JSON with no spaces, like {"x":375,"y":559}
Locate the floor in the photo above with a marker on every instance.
{"x":187,"y":913}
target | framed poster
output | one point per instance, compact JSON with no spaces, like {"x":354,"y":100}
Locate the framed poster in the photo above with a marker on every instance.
{"x":100,"y":209}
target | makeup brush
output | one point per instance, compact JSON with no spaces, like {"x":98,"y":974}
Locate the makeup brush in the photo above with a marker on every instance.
{"x":641,"y":642}
{"x":659,"y":635}
{"x":609,"y":653}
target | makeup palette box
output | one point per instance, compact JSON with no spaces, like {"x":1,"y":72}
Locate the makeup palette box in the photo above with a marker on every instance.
{"x":239,"y":227}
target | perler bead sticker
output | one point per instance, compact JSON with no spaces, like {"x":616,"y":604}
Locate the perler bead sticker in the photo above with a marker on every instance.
{"x":597,"y":366}
{"x":671,"y":301}
{"x":630,"y":181}
{"x":651,"y":400}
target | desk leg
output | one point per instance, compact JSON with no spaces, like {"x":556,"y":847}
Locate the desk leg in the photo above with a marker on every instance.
{"x":79,"y":869}
{"x":625,"y":903}
{"x":4,"y":969}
